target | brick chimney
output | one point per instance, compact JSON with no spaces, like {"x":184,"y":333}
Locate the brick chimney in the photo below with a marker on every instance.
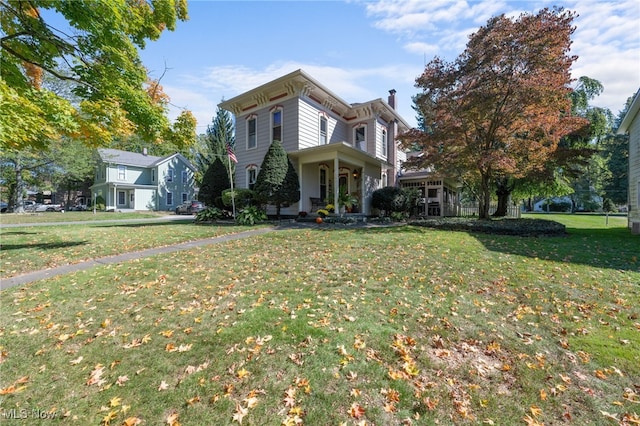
{"x":392,"y":98}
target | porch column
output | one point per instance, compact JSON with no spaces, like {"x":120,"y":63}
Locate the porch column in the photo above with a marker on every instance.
{"x":336,"y":180}
{"x":302,"y":204}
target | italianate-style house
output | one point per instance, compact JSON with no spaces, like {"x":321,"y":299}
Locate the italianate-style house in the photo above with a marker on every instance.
{"x":332,"y":144}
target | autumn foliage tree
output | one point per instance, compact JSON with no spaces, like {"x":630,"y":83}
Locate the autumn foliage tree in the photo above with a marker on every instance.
{"x":96,"y":51}
{"x":500,"y":109}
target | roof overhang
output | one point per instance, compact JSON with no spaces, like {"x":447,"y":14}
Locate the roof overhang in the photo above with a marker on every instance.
{"x":340,"y":150}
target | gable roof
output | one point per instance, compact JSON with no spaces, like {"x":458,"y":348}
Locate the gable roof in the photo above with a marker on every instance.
{"x":128,"y":158}
{"x":630,"y":115}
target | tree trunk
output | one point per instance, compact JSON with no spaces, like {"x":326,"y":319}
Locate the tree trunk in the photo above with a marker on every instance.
{"x":503,"y":202}
{"x":18,"y":202}
{"x":485,"y":197}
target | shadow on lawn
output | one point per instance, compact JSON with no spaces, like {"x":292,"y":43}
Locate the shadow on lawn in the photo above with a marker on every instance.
{"x":141,"y":224}
{"x":613,"y":248}
{"x":42,"y":246}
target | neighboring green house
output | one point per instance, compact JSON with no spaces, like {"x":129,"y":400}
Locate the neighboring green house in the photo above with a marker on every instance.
{"x":631,"y":125}
{"x":133,"y":181}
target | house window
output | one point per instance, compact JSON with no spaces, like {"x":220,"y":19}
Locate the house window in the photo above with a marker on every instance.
{"x":276,"y":125}
{"x":252,"y":174}
{"x":323,"y":183}
{"x":170,"y":175}
{"x":252,"y":138}
{"x":121,"y":198}
{"x":323,"y":129}
{"x":153,"y":175}
{"x":184,"y":196}
{"x":122,"y":172}
{"x":185,"y":177}
{"x":384,"y":143}
{"x":169,"y":198}
{"x":360,"y":138}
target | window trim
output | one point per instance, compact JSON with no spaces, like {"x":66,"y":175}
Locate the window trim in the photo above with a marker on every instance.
{"x":169,"y":197}
{"x":170,"y":173}
{"x":122,"y":196}
{"x":185,"y":177}
{"x":185,"y":197}
{"x":122,"y":172}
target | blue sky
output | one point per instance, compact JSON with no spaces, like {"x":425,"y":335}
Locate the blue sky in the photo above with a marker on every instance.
{"x":362,"y":49}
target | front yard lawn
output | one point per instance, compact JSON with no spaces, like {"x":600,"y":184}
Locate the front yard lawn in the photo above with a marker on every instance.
{"x":387,"y":326}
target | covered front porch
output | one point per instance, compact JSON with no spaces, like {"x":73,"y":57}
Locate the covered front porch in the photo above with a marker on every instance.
{"x":325,"y":170}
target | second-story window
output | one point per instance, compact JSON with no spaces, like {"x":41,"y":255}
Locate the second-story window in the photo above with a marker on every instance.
{"x":252,"y":136}
{"x":323,"y":130}
{"x":359,"y":138}
{"x":185,"y":177}
{"x":384,"y":143}
{"x":276,"y":125}
{"x":169,"y":175}
{"x":122,"y":172}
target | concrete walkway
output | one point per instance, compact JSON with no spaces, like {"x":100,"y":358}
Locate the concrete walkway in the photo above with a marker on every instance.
{"x":81,"y":266}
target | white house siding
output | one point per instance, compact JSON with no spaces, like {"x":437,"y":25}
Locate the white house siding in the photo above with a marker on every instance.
{"x":309,"y":127}
{"x":634,"y":170}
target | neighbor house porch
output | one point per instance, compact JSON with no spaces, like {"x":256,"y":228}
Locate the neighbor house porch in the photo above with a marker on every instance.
{"x":439,"y":197}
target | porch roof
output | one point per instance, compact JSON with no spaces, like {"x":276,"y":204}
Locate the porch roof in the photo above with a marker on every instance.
{"x":340,"y":150}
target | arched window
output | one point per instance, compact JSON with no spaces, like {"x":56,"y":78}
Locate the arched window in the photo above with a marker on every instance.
{"x":384,"y":143}
{"x":252,"y":131}
{"x":276,"y":124}
{"x":251,"y":173}
{"x":324,"y":127}
{"x":360,"y":137}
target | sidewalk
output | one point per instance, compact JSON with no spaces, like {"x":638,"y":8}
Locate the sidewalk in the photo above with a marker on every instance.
{"x":81,"y":266}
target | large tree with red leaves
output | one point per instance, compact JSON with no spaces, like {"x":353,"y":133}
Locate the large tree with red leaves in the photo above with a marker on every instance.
{"x":500,"y":109}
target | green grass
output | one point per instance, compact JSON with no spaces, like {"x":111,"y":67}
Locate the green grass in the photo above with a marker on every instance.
{"x":88,"y":216}
{"x":338,"y":326}
{"x":27,"y":249}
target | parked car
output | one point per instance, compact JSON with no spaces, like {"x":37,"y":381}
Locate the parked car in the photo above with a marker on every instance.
{"x":3,"y":207}
{"x":78,"y":208}
{"x":190,"y":207}
{"x":48,"y":208}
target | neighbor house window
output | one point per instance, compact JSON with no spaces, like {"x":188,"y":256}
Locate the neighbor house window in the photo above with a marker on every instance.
{"x":184,"y":197}
{"x":252,"y":174}
{"x":252,"y":135}
{"x":122,"y":172}
{"x":324,"y":123}
{"x":121,"y":198}
{"x":169,"y":198}
{"x":153,"y":175}
{"x":169,"y":175}
{"x":384,"y":143}
{"x":360,"y":135}
{"x":185,"y":177}
{"x":276,"y":125}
